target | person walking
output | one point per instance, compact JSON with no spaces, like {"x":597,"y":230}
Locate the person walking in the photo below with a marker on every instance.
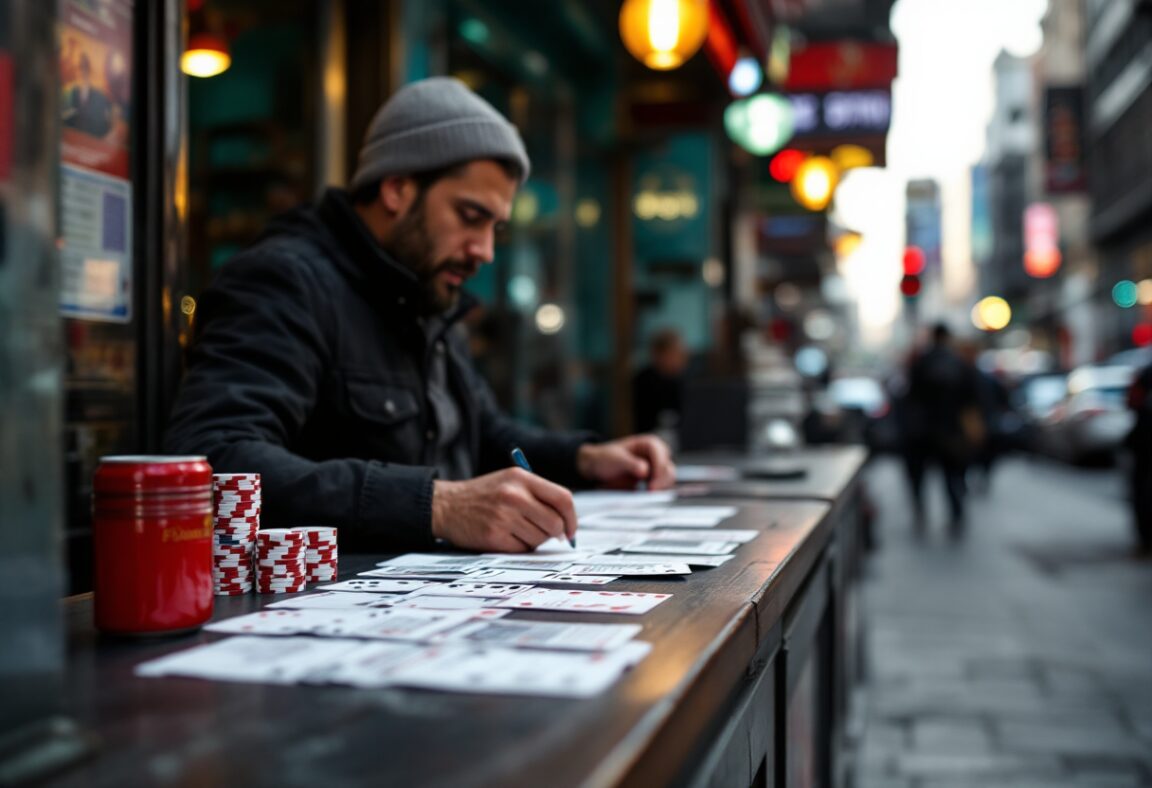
{"x":1139,"y":442}
{"x":943,"y":424}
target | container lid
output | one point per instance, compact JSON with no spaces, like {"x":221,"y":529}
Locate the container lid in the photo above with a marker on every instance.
{"x":153,"y":474}
{"x":154,"y":458}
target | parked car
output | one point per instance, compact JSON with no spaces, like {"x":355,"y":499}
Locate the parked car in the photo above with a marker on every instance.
{"x":1091,"y":420}
{"x":1034,"y":398}
{"x":867,"y":412}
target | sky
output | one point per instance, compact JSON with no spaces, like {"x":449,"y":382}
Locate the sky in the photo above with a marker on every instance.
{"x":942,"y":100}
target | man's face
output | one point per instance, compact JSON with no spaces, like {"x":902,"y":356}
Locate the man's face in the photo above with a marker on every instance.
{"x":449,"y":230}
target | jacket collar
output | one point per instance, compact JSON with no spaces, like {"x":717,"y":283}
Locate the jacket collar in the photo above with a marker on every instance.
{"x":361,"y":256}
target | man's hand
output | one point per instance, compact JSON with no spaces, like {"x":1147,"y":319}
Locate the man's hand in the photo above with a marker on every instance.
{"x":623,"y":463}
{"x":509,"y":511}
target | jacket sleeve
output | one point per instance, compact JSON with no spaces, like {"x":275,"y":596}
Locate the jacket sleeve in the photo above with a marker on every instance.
{"x":253,"y":378}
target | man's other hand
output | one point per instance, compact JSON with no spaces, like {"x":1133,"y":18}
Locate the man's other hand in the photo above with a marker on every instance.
{"x":624,"y":463}
{"x":509,"y":511}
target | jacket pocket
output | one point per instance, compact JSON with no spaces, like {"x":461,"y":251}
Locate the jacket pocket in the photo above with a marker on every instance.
{"x":381,"y":403}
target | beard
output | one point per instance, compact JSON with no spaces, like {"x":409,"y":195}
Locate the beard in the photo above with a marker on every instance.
{"x":411,"y":245}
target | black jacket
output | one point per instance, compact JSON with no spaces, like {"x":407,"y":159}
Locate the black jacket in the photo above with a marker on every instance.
{"x":309,"y":367}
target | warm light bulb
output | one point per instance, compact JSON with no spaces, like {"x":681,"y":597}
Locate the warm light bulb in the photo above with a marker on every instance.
{"x":662,"y":34}
{"x":206,"y":56}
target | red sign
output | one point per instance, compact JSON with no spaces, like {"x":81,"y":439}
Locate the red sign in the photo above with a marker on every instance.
{"x":837,"y":65}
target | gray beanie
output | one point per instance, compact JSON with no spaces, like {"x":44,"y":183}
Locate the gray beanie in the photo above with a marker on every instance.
{"x":434,"y":123}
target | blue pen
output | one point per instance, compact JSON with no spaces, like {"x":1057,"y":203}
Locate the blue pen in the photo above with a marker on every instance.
{"x":522,"y":461}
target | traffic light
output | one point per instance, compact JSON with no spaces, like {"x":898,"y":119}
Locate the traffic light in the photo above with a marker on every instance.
{"x":913,"y":267}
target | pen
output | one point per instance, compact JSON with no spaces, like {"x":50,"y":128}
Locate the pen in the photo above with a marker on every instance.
{"x":522,"y":461}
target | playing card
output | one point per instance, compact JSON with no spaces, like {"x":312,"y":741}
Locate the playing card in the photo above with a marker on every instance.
{"x":336,"y":600}
{"x":602,"y":541}
{"x":448,"y":603}
{"x":392,"y":623}
{"x":420,"y":572}
{"x":568,"y":578}
{"x":277,"y":622}
{"x":282,"y":660}
{"x":590,"y":501}
{"x":681,"y":546}
{"x":544,"y":634}
{"x":376,"y":585}
{"x":599,"y":523}
{"x":443,"y":561}
{"x":638,"y":513}
{"x":495,"y":575}
{"x":519,"y":671}
{"x":482,"y":590}
{"x":542,"y":563}
{"x":580,"y":601}
{"x":741,"y":535}
{"x":368,"y":664}
{"x":690,"y":511}
{"x":626,"y":569}
{"x":691,"y":560}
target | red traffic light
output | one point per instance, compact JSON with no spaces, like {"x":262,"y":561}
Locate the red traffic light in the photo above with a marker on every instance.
{"x":785,"y":163}
{"x":1142,"y":334}
{"x":910,"y":285}
{"x":913,"y":262}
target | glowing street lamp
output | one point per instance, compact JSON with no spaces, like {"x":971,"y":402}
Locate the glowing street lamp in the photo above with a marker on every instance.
{"x":662,"y":34}
{"x":205,"y":56}
{"x":760,"y":124}
{"x":814,"y":182}
{"x":991,"y":314}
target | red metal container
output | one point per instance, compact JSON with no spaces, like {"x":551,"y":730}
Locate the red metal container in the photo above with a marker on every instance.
{"x":152,"y":529}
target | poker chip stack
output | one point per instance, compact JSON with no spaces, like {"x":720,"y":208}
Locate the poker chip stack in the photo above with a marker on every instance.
{"x":280,"y":561}
{"x":237,"y":501}
{"x":320,"y":553}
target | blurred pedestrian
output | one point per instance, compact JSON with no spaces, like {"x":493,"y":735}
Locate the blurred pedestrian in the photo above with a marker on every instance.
{"x":998,"y":416}
{"x":943,"y":424}
{"x":657,"y":389}
{"x":1139,"y":442}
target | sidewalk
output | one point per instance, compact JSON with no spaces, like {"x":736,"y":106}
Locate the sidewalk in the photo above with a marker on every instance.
{"x":1020,"y":656}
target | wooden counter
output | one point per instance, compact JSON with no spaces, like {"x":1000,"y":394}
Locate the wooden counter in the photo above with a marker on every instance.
{"x":709,"y":705}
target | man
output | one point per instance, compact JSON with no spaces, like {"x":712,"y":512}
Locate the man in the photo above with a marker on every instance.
{"x":88,"y":109}
{"x":657,"y":389}
{"x":329,"y":361}
{"x":942,"y":422}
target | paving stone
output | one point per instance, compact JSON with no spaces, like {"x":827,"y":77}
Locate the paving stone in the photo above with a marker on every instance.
{"x":1068,"y":739}
{"x":1070,"y":681}
{"x":951,"y":737}
{"x":977,"y":767}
